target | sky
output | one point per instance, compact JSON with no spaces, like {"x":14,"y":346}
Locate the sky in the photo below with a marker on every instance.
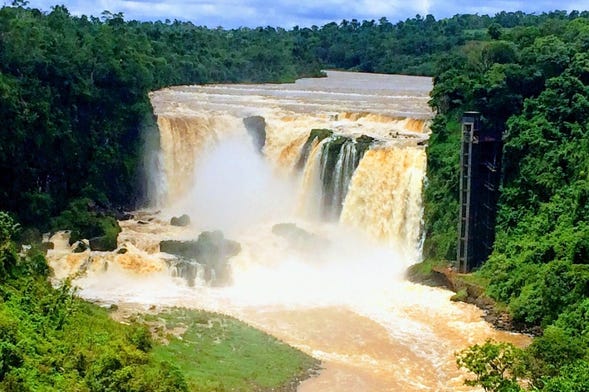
{"x":304,"y":13}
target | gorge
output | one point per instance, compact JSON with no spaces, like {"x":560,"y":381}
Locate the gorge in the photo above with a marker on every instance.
{"x":320,"y":184}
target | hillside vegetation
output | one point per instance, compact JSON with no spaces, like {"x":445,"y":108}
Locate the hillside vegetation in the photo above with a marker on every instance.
{"x":531,"y":82}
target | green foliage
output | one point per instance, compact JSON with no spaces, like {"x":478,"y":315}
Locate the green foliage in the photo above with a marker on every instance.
{"x":50,"y":340}
{"x":8,"y":228}
{"x":494,"y":31}
{"x":461,"y":295}
{"x":495,"y":365}
{"x":8,"y":257}
{"x":83,"y":222}
{"x":73,"y":100}
{"x":573,"y":378}
{"x":230,"y":356}
{"x":73,"y":94}
{"x":441,"y":191}
{"x":556,"y":357}
{"x":531,"y":82}
{"x":550,"y":353}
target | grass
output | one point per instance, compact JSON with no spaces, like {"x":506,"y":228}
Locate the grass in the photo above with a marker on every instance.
{"x":219,"y":353}
{"x":460,"y":296}
{"x":476,"y":279}
{"x":423,"y":272}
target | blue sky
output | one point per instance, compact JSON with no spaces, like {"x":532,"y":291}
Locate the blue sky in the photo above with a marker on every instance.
{"x":288,"y":13}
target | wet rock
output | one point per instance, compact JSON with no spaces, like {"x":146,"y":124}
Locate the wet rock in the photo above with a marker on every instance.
{"x":472,"y":293}
{"x":315,"y":136}
{"x":123,"y":216}
{"x":122,"y":251}
{"x":211,"y":250}
{"x":80,"y":246}
{"x":183,"y":220}
{"x":105,"y":243}
{"x":256,"y":127}
{"x":298,"y":238}
{"x":184,"y":249}
{"x":45,"y":246}
{"x":184,"y":268}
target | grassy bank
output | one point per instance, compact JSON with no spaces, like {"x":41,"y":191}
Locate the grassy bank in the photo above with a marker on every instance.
{"x":215,"y":352}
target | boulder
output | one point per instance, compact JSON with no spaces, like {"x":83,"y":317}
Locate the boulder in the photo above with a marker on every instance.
{"x":183,"y":220}
{"x":184,"y":249}
{"x":183,"y":268}
{"x":211,"y":250}
{"x":298,"y":238}
{"x":45,"y":246}
{"x":80,"y":246}
{"x":105,"y":243}
{"x":123,"y":216}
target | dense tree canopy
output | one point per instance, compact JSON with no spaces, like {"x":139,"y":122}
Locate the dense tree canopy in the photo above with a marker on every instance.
{"x":531,"y":81}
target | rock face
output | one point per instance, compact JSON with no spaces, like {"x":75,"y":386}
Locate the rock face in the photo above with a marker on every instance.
{"x":472,"y":293}
{"x":45,"y":246}
{"x":211,"y":250}
{"x":183,"y":220}
{"x":184,"y":268}
{"x":256,"y":127}
{"x":340,"y":156}
{"x":315,"y":136}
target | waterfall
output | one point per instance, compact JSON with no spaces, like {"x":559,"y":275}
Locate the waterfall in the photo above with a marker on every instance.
{"x":183,"y":140}
{"x":359,"y":160}
{"x":384,"y":197}
{"x":370,"y":185}
{"x":344,"y":168}
{"x":362,"y":182}
{"x":340,"y":156}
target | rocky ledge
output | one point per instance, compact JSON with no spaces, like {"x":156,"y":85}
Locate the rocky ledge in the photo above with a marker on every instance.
{"x":473,"y":293}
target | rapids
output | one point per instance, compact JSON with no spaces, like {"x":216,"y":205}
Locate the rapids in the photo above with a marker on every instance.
{"x":336,"y":289}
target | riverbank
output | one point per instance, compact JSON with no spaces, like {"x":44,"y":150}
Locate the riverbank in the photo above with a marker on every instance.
{"x":468,"y":289}
{"x":218,"y":352}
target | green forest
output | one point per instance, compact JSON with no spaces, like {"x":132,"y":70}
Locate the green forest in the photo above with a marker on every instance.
{"x":75,"y":113}
{"x":531,"y":81}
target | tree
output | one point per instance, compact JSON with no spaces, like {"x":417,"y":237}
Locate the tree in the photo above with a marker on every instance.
{"x":8,"y":228}
{"x":494,"y":31}
{"x":496,"y":366}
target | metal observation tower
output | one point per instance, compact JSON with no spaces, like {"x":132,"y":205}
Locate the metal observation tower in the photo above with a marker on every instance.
{"x":480,"y":174}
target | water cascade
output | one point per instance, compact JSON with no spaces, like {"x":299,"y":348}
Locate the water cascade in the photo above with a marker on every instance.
{"x":305,"y":211}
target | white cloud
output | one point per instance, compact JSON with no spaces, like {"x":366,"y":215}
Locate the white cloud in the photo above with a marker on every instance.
{"x":287,"y":13}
